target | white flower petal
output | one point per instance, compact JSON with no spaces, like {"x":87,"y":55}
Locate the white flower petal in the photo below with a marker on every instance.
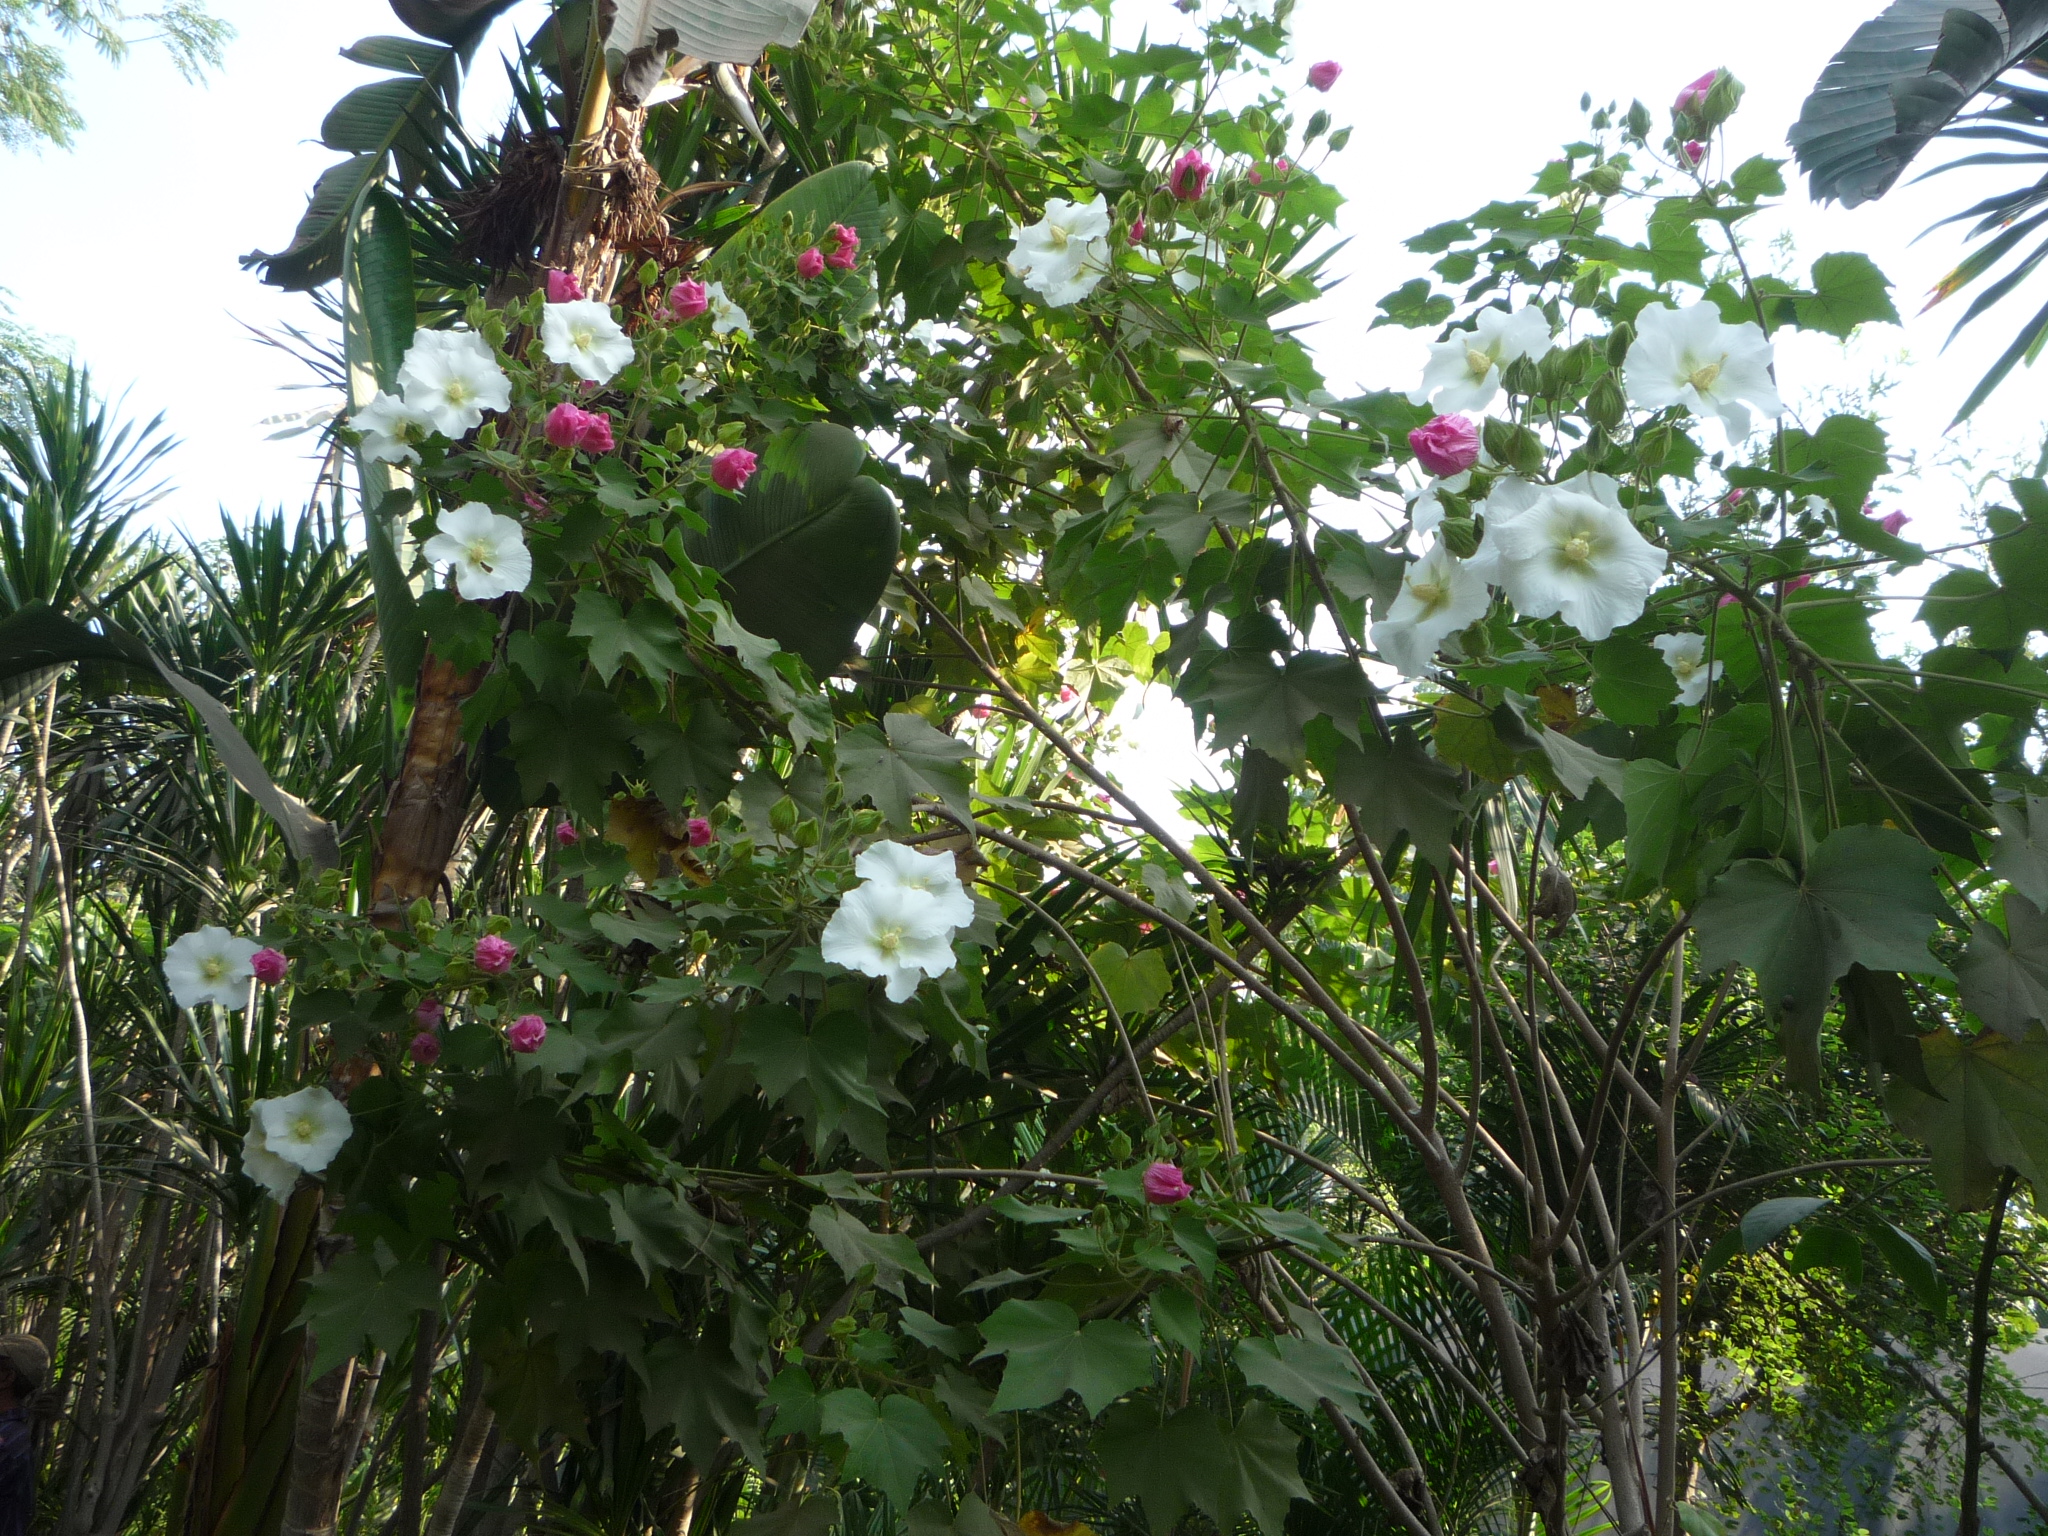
{"x":1686,"y":656}
{"x":278,"y":1177}
{"x":487,"y":552}
{"x":584,"y":338}
{"x":305,"y":1128}
{"x":210,"y":965}
{"x":1575,"y":553}
{"x":1066,"y":253}
{"x":1691,"y":357}
{"x":935,"y":874}
{"x":451,"y":378}
{"x":892,"y":931}
{"x":1440,"y":595}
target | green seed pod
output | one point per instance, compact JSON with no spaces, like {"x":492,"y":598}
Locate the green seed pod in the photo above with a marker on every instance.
{"x":783,"y":815}
{"x":807,"y":833}
{"x":866,"y":822}
{"x":493,"y":330}
{"x":1619,"y":340}
{"x":1475,"y":641}
{"x":487,"y":435}
{"x":1317,"y":127}
{"x":1520,"y":377}
{"x":1339,"y":139}
{"x":650,"y":273}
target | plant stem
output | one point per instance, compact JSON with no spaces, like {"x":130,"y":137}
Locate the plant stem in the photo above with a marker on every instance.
{"x":1968,"y":1522}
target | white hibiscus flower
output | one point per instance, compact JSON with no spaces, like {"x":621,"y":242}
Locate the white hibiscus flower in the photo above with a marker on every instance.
{"x":451,"y":378}
{"x":1573,"y":552}
{"x":276,"y":1175}
{"x":1686,"y":656}
{"x":583,"y":337}
{"x":390,"y":427}
{"x":305,"y":1128}
{"x":891,"y":931}
{"x":210,"y":965}
{"x":933,"y":873}
{"x":1440,"y":595}
{"x":488,"y":552}
{"x":1065,"y":254}
{"x":726,"y":316}
{"x":1691,"y":357}
{"x":1463,"y":373}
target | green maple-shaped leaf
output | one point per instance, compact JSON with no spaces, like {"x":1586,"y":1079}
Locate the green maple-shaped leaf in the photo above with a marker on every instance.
{"x":1992,"y":1113}
{"x":825,"y":1069}
{"x":1866,"y":898}
{"x":1396,"y":787}
{"x":1252,"y":699}
{"x":1303,"y":1372}
{"x":706,"y":1394}
{"x":854,"y":1247}
{"x":2021,"y":854}
{"x":1051,"y":1354}
{"x":2004,"y":975}
{"x":661,"y":1229}
{"x":578,"y":746}
{"x":373,"y":1296}
{"x":648,"y":634}
{"x":1162,"y":1463}
{"x":1257,"y":1472}
{"x":889,"y":1443}
{"x":915,"y":758}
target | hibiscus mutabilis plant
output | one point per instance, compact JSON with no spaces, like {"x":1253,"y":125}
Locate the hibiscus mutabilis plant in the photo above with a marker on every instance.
{"x":821,"y":1153}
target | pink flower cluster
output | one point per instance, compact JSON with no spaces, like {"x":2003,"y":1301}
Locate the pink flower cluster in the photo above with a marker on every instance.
{"x":1189,"y":178}
{"x":563,"y":287}
{"x":570,"y":426}
{"x":845,"y":247}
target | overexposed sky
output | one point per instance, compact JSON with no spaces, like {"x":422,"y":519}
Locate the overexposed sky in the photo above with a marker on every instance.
{"x":127,"y":246}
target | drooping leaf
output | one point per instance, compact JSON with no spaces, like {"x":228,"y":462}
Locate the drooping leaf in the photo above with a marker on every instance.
{"x":1258,"y":1472}
{"x":855,"y":1247}
{"x":1050,"y":1354}
{"x":1908,"y":1258}
{"x":889,"y":1443}
{"x":1992,"y":1112}
{"x":705,"y":1394}
{"x":1395,"y":787}
{"x":1866,"y":898}
{"x":648,"y":634}
{"x":806,"y":552}
{"x":1191,"y":1458}
{"x":1303,"y":1371}
{"x":2004,"y":975}
{"x":2021,"y":853}
{"x":1897,"y":82}
{"x":1251,"y":699}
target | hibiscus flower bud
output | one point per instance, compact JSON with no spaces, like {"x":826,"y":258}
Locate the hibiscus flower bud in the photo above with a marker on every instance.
{"x":494,"y":956}
{"x":1794,"y":583}
{"x":700,"y":832}
{"x":1460,"y":536}
{"x":811,"y":264}
{"x":1165,"y":1184}
{"x":563,"y":288}
{"x":429,"y":1013}
{"x":1067,"y":695}
{"x":732,"y":468}
{"x":526,"y":1033}
{"x":425,"y":1048}
{"x":269,"y":966}
{"x":566,"y":835}
{"x":980,"y":711}
{"x":1138,"y":230}
{"x":1694,"y":96}
{"x":1446,"y":446}
{"x":1695,"y":151}
{"x":688,"y":299}
{"x":570,"y":426}
{"x":1892,"y":522}
{"x":1189,"y":178}
{"x":1324,"y":75}
{"x":1283,"y":165}
{"x":845,"y":243}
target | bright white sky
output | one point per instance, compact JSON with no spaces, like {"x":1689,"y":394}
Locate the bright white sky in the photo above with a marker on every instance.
{"x":126,"y":247}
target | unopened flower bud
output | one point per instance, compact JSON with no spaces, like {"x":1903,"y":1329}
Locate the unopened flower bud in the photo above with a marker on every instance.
{"x":1460,"y":536}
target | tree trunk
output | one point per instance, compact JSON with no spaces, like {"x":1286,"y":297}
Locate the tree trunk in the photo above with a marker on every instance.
{"x":324,"y":1433}
{"x":430,"y":801}
{"x":472,"y":1428}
